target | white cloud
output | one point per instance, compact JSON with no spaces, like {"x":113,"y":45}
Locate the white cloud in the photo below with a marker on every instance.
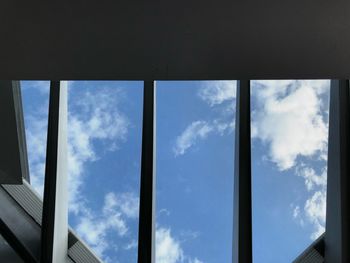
{"x":195,"y":131}
{"x":131,"y":245}
{"x":94,"y":226}
{"x":217,"y":92}
{"x":164,"y":211}
{"x":127,"y":203}
{"x":315,"y":209}
{"x":289,"y":120}
{"x":296,"y":212}
{"x":168,"y":249}
{"x":200,"y":130}
{"x":96,"y":119}
{"x":312,"y":179}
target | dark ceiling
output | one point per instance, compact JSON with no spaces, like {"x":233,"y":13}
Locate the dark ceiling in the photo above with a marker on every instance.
{"x":179,"y":39}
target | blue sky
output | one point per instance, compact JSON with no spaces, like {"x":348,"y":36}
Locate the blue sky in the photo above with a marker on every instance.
{"x":195,"y":157}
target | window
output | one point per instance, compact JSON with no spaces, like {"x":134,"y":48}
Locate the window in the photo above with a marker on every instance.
{"x":289,"y":162}
{"x":195,"y":142}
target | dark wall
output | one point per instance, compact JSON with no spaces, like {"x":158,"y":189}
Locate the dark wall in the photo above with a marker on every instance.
{"x":178,"y":39}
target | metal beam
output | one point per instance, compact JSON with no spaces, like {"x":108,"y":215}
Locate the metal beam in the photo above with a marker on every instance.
{"x":13,"y":157}
{"x":337,"y":236}
{"x":147,"y":191}
{"x":7,"y":253}
{"x":54,"y":237}
{"x":17,"y":96}
{"x":19,"y":229}
{"x":20,"y":225}
{"x":180,"y":39}
{"x":242,"y":228}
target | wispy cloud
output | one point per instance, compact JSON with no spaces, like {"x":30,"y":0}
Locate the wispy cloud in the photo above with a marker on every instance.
{"x":219,"y":94}
{"x":169,"y":250}
{"x":95,"y":226}
{"x":96,"y":118}
{"x":195,"y":260}
{"x":133,"y":244}
{"x":312,"y":179}
{"x":315,"y":209}
{"x":197,"y":130}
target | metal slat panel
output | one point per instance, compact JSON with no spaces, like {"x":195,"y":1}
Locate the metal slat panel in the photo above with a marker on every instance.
{"x":312,"y":256}
{"x":82,"y":254}
{"x":27,"y":198}
{"x":313,"y":253}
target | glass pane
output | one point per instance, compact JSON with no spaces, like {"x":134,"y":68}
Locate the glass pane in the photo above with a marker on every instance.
{"x":35,"y":100}
{"x":104,"y":126}
{"x":195,"y":142}
{"x":289,"y":163}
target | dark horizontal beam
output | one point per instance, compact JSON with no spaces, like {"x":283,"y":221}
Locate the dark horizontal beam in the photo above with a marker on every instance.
{"x":174,"y":40}
{"x":15,"y":243}
{"x":7,"y":253}
{"x":18,"y":229}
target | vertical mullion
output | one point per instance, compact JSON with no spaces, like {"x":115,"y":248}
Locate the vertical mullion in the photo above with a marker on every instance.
{"x":147,"y":191}
{"x":242,"y":235}
{"x":54,"y":235}
{"x":13,"y":148}
{"x":337,"y":236}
